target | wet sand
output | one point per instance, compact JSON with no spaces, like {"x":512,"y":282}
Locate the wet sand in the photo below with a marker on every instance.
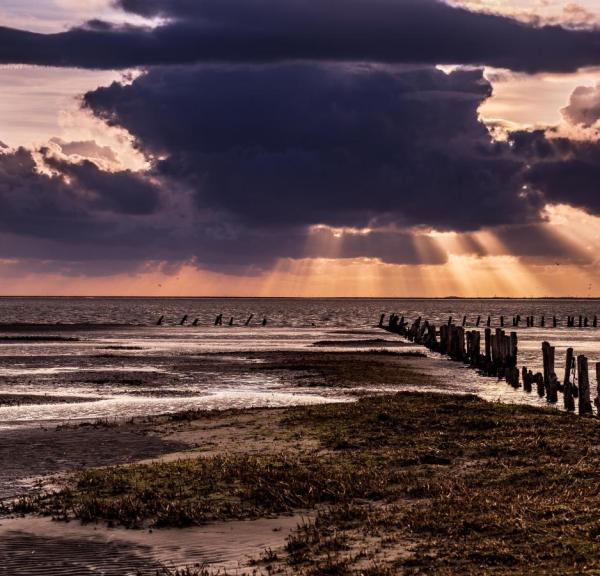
{"x":37,"y":459}
{"x":42,"y":547}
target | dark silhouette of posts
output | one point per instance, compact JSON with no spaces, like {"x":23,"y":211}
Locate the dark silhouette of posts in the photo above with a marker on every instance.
{"x":569,"y":397}
{"x":160,"y":320}
{"x":597,"y":400}
{"x":585,"y":404}
{"x":249,"y":320}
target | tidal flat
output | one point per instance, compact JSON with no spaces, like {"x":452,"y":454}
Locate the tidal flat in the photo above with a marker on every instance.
{"x":382,"y":483}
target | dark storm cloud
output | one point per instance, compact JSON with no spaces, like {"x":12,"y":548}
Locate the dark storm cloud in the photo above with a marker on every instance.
{"x":82,"y":207}
{"x":562,"y":170}
{"x":392,"y":31}
{"x":83,"y":214}
{"x":302,"y":145}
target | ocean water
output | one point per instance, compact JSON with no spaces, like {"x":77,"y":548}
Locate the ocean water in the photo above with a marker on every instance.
{"x":86,"y":358}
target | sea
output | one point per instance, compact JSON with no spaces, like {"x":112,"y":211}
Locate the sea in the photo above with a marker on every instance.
{"x":72,"y":359}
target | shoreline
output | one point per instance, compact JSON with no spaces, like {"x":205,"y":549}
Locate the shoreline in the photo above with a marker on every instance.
{"x":404,"y":483}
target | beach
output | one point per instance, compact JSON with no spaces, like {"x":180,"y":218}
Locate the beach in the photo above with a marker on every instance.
{"x":150,"y":450}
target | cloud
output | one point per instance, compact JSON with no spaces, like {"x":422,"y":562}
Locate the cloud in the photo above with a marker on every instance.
{"x":389,"y":31}
{"x":562,"y":170}
{"x":78,"y":202}
{"x":86,"y":149}
{"x":300,"y":145}
{"x":85,"y":217}
{"x":584,"y":106}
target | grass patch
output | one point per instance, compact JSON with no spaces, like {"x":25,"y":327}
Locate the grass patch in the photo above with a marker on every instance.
{"x":407,"y":483}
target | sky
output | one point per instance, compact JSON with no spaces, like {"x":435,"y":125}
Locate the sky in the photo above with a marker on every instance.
{"x":300,"y":147}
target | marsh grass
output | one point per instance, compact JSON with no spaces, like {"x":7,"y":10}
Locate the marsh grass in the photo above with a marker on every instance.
{"x":403,"y":484}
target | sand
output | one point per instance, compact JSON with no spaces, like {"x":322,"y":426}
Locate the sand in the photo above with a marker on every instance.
{"x":39,"y":458}
{"x":39,"y":546}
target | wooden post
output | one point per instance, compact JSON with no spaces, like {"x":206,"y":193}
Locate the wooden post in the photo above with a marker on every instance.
{"x":514,"y":349}
{"x":567,"y":384}
{"x":539,"y":381}
{"x":160,"y":320}
{"x":249,"y":320}
{"x":195,"y":322}
{"x":543,"y":322}
{"x":552,"y":389}
{"x":449,"y":320}
{"x":548,"y":358}
{"x":488,"y":347}
{"x":595,"y":323}
{"x":585,"y":322}
{"x":502,"y":321}
{"x":554,"y":323}
{"x":527,"y":379}
{"x":231,"y":321}
{"x":585,"y":405}
{"x":597,"y":400}
{"x":489,"y":321}
{"x":580,"y":322}
{"x":478,"y":321}
{"x":464,"y":322}
{"x":381,"y":320}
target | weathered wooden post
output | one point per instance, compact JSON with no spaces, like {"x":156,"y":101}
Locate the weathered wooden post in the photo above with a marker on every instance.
{"x":514,"y":348}
{"x":160,"y":320}
{"x":539,"y":382}
{"x":585,"y":322}
{"x":543,"y":322}
{"x":554,"y":322}
{"x":552,"y":388}
{"x":195,"y":322}
{"x":548,"y":358}
{"x":580,"y":321}
{"x":585,"y":405}
{"x":231,"y":321}
{"x":381,"y":319}
{"x":183,"y":320}
{"x":527,"y":378}
{"x":597,"y":400}
{"x":464,"y":322}
{"x":488,"y":348}
{"x":489,"y":321}
{"x":502,"y":321}
{"x":478,"y":321}
{"x":450,"y":321}
{"x":249,"y":320}
{"x":512,"y":377}
{"x":567,"y":384}
{"x":595,"y":323}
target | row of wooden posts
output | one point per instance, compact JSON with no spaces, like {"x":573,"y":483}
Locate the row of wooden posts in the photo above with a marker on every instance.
{"x":499,"y":359}
{"x":218,"y":321}
{"x":529,"y":321}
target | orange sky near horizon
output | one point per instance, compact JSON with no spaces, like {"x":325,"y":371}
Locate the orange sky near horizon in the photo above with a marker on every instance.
{"x":495,"y":273}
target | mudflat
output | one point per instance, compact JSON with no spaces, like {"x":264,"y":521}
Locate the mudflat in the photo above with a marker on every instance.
{"x":405,"y":483}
